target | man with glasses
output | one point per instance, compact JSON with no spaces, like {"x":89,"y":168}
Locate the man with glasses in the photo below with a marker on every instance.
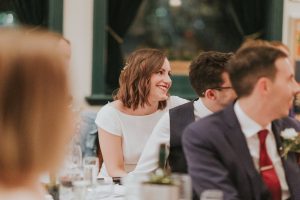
{"x":210,"y":81}
{"x":239,"y":149}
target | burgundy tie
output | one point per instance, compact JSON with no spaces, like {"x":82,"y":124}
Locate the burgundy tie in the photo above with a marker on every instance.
{"x":267,"y":169}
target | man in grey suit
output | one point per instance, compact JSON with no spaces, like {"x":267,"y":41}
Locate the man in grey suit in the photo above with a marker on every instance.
{"x":237,"y":150}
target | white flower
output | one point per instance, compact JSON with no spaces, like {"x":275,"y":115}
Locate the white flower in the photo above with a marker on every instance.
{"x":289,"y":133}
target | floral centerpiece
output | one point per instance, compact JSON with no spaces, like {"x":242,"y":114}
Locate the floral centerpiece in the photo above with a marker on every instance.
{"x":291,"y":141}
{"x":160,"y":184}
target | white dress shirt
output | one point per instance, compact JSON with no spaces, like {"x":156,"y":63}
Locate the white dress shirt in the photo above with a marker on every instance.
{"x":250,"y":129}
{"x":161,"y":134}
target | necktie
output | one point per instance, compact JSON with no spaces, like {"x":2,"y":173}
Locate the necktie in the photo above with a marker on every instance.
{"x":267,"y":170}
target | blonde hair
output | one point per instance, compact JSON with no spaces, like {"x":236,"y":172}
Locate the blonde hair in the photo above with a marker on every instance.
{"x":34,"y":98}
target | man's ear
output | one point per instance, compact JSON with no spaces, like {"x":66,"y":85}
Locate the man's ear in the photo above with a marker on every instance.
{"x":263,"y":85}
{"x":210,"y":94}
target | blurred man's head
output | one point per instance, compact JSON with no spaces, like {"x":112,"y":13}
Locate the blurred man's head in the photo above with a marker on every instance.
{"x":210,"y":80}
{"x":264,"y":43}
{"x":264,"y":75}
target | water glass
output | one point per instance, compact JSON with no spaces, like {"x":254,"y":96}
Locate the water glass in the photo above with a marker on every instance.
{"x":80,"y":189}
{"x":91,"y":168}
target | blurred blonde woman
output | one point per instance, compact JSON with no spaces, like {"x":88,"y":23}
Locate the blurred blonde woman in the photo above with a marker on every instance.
{"x":35,"y":121}
{"x":125,"y":125}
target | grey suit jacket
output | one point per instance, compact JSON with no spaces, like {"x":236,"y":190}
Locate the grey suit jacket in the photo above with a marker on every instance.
{"x":218,"y":157}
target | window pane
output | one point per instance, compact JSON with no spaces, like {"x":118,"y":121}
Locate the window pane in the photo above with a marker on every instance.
{"x":184,"y":27}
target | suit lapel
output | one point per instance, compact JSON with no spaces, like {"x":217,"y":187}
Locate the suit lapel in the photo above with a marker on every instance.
{"x":290,"y":165}
{"x":238,"y":142}
{"x":276,"y":128}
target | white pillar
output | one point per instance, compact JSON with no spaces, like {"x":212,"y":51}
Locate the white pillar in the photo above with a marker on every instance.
{"x":78,"y":28}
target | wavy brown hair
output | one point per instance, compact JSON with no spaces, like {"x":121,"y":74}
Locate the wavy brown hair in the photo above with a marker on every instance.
{"x":134,"y":80}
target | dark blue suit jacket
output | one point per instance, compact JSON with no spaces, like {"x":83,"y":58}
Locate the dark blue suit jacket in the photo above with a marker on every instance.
{"x":218,"y":157}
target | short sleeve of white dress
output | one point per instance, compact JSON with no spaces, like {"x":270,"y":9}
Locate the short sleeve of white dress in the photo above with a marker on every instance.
{"x":107,"y":119}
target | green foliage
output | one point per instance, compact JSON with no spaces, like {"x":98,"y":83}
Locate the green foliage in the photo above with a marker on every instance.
{"x":160,"y":177}
{"x":291,"y":145}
